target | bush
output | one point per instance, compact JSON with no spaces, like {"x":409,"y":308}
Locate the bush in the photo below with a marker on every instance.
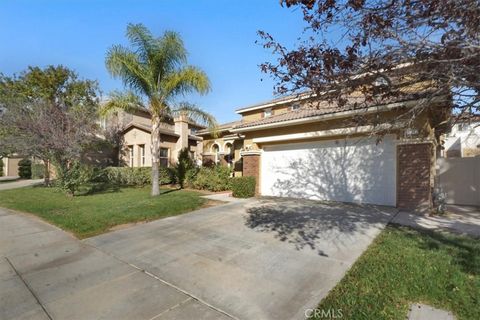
{"x":76,"y":175}
{"x":243,"y":187}
{"x":216,"y":178}
{"x":25,"y":169}
{"x":38,"y":170}
{"x":1,"y":167}
{"x":183,"y":166}
{"x":127,"y":176}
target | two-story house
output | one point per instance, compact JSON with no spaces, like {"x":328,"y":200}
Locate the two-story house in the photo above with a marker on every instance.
{"x":135,"y":136}
{"x":298,"y":146}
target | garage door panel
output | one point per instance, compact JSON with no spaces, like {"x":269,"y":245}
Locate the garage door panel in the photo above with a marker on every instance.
{"x":352,"y":170}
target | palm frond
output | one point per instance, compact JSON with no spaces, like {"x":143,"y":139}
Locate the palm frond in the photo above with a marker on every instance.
{"x":142,"y":40}
{"x":186,"y":80}
{"x":125,"y":101}
{"x":123,"y":63}
{"x":194,"y":113}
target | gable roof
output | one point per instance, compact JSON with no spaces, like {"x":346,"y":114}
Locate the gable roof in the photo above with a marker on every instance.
{"x":148,"y":129}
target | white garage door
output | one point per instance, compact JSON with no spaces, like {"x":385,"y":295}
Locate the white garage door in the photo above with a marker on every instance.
{"x":351,"y":170}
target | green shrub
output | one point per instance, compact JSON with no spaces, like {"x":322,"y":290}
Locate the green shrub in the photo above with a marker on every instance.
{"x":38,"y":170}
{"x":243,"y":187}
{"x":1,"y":167}
{"x":25,"y":169}
{"x":183,"y":166}
{"x":141,"y":176}
{"x":76,"y":175}
{"x":216,"y":178}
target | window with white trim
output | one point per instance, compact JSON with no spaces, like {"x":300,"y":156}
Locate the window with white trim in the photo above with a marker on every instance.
{"x":294,"y":107}
{"x":164,"y":157}
{"x":142,"y":154}
{"x":130,"y":156}
{"x":267,"y":112}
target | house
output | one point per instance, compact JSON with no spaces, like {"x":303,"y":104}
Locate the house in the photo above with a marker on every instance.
{"x":10,"y":166}
{"x":135,"y":133}
{"x":463,"y":140}
{"x":300,"y":146}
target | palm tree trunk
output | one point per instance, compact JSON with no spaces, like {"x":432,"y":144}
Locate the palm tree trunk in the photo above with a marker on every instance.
{"x":155,"y":149}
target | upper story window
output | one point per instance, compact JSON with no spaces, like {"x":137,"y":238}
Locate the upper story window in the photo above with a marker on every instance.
{"x":294,"y":107}
{"x":463,"y":127}
{"x":193,"y":130}
{"x":267,"y":112}
{"x":130,"y":156}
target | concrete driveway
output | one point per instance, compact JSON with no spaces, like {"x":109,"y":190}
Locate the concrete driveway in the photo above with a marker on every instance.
{"x":258,"y":259}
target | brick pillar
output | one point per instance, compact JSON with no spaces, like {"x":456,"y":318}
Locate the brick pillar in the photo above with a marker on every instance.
{"x":414,"y":183}
{"x":251,"y":167}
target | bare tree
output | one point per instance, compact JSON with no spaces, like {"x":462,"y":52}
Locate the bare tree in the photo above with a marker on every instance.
{"x":347,"y":44}
{"x":49,"y":114}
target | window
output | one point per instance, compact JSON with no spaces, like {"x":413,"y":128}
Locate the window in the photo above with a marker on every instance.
{"x":164,"y":157}
{"x":267,"y":112}
{"x":130,"y":156}
{"x":193,"y":130}
{"x":142,"y":154}
{"x":294,"y":107}
{"x":463,"y":127}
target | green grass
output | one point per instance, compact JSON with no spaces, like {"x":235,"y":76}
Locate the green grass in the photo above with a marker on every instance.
{"x":403,"y":266}
{"x":93,"y":214}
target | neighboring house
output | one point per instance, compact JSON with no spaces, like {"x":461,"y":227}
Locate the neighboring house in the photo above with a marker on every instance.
{"x":463,"y":140}
{"x":299,"y":147}
{"x":135,"y":131}
{"x":10,"y":166}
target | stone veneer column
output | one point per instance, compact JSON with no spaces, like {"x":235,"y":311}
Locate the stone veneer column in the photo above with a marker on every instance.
{"x":414,"y":176}
{"x":251,"y":167}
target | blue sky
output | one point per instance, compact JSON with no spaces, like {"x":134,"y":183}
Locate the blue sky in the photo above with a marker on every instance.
{"x":219,"y":35}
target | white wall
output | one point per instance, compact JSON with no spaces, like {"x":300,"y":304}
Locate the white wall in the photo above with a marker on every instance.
{"x":460,"y":180}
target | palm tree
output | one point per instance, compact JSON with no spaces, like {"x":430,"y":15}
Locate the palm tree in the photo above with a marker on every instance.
{"x":156,"y":73}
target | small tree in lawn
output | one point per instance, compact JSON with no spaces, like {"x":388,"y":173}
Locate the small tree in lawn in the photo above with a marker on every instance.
{"x":48,"y":113}
{"x":155,"y":71}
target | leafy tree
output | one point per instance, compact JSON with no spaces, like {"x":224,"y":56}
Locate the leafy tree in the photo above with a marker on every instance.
{"x":48,"y":113}
{"x":155,"y":71}
{"x":437,"y":41}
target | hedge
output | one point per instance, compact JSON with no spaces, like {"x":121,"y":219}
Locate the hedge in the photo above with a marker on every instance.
{"x":216,"y":178}
{"x":1,"y":167}
{"x":141,"y":176}
{"x":25,"y":169}
{"x":243,"y":187}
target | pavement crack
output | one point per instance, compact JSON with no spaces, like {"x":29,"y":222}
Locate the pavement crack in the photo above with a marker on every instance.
{"x":192,"y":296}
{"x":29,"y":289}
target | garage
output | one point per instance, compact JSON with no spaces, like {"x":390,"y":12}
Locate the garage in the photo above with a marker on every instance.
{"x":347,"y":170}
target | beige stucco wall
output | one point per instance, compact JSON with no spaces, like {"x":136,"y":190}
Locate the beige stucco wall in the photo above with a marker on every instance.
{"x":10,"y":166}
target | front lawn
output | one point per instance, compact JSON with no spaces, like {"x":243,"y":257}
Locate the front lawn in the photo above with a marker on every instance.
{"x":89,"y":215}
{"x":404,"y":266}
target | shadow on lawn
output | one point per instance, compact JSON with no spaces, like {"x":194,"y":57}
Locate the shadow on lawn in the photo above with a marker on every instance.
{"x":464,"y":250}
{"x":310,"y":224}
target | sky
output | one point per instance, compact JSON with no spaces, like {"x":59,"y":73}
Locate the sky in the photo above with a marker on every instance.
{"x":219,"y":35}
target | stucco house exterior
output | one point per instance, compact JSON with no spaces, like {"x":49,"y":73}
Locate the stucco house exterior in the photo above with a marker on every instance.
{"x":463,"y":140}
{"x":135,"y":128}
{"x":298,"y":146}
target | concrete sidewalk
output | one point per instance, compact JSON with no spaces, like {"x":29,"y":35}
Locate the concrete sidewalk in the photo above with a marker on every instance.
{"x":19,"y":184}
{"x":459,"y":219}
{"x":47,"y":274}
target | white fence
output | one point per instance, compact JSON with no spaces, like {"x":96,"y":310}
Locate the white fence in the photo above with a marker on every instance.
{"x":460,"y":180}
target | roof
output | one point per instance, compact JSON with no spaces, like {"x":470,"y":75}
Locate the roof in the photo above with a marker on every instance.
{"x":324,"y":108}
{"x":148,"y":129}
{"x":276,"y":101}
{"x":222,"y":127}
